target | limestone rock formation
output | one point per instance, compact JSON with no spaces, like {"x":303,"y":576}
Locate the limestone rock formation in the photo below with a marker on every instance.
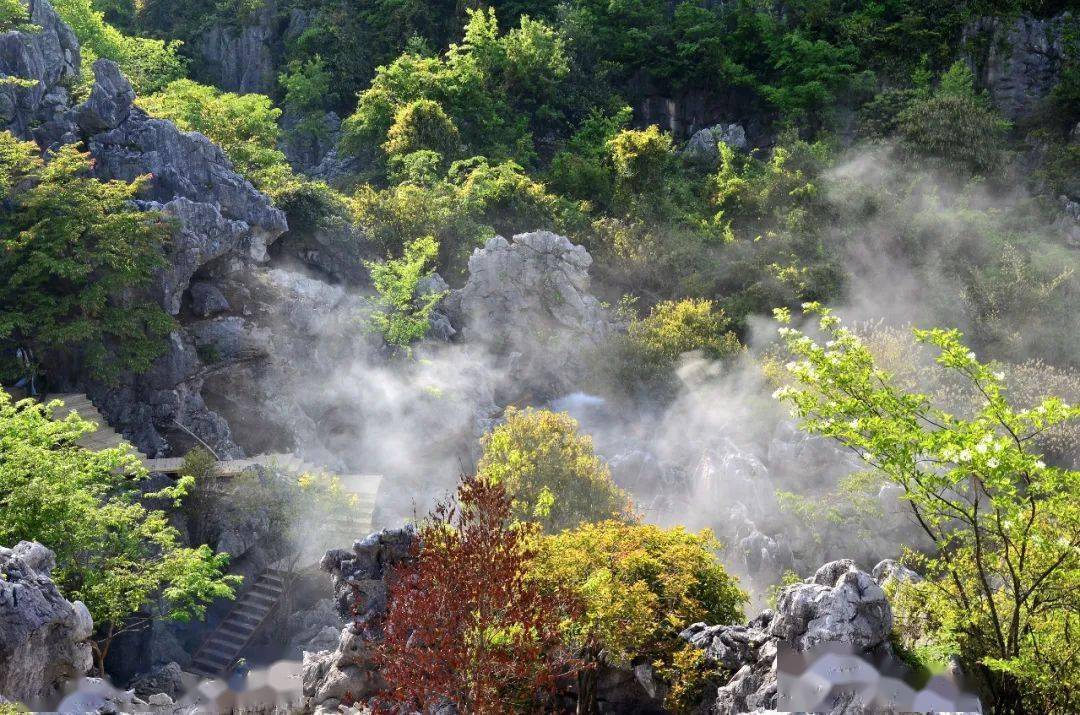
{"x":43,"y":637}
{"x":359,"y":576}
{"x":703,"y":147}
{"x":219,"y":216}
{"x":1022,"y":61}
{"x":49,"y":59}
{"x":530,"y":296}
{"x":110,"y":100}
{"x":826,"y":648}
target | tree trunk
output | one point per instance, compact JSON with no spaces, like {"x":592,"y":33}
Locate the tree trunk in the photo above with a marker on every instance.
{"x":587,"y":683}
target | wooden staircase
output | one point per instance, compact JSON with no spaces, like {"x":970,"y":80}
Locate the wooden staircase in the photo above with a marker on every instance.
{"x":105,"y":437}
{"x":221,"y":649}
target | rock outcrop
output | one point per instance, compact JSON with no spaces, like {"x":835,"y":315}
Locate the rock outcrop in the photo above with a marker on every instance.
{"x":44,"y":638}
{"x":360,"y":588}
{"x":48,"y":61}
{"x":704,"y":147}
{"x":1021,"y":61}
{"x":530,"y":297}
{"x":219,"y":218}
{"x":826,"y":648}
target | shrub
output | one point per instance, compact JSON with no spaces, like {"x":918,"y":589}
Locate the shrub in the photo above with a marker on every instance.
{"x":640,"y":585}
{"x":422,"y":124}
{"x":641,"y":157}
{"x":955,"y":125}
{"x":150,"y":64}
{"x":402,"y":315}
{"x":12,"y":14}
{"x":77,"y":256}
{"x":464,"y":624}
{"x":1000,"y":593}
{"x":674,"y":328}
{"x":550,"y":471}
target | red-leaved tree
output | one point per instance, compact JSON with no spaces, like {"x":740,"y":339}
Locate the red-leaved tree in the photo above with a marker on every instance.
{"x":465,"y":624}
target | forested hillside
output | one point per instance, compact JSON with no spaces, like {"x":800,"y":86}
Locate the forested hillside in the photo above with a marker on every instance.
{"x":548,"y":245}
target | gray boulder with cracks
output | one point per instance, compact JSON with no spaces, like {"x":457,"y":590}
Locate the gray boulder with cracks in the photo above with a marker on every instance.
{"x":44,"y":638}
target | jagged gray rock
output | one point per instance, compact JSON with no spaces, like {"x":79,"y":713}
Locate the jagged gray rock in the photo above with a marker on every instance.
{"x":167,"y":679}
{"x":829,"y":636}
{"x":49,"y":59}
{"x":110,"y":100}
{"x":359,"y":576}
{"x":1022,"y":61}
{"x":207,"y":299}
{"x":44,"y":638}
{"x":840,"y":604}
{"x":703,"y":147}
{"x":529,"y":299}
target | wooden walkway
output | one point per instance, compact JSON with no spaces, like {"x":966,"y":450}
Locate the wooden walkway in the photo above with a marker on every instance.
{"x":363,"y":487}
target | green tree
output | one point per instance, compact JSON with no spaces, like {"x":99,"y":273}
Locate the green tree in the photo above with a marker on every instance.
{"x":1001,"y":590}
{"x":673,"y":328}
{"x":244,"y":125}
{"x":150,"y":64}
{"x":956,"y":125}
{"x":641,"y":158}
{"x":420,"y":125}
{"x":550,"y":471}
{"x":119,"y":557}
{"x":402,"y":315}
{"x":640,"y":585}
{"x":76,"y":256}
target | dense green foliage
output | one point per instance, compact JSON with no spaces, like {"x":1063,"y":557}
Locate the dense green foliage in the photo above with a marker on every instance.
{"x":1001,"y":592}
{"x":402,"y":315}
{"x":550,"y":471}
{"x":640,"y":585}
{"x":116,"y":555}
{"x":150,"y":64}
{"x":75,"y":252}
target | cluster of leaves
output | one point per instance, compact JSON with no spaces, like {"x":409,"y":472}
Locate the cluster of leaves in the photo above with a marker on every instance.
{"x":76,"y":253}
{"x":550,"y":471}
{"x":148,"y":63}
{"x":1001,"y":589}
{"x":119,"y":557}
{"x":464,"y":624}
{"x":402,"y":315}
{"x":489,"y":88}
{"x":640,"y":585}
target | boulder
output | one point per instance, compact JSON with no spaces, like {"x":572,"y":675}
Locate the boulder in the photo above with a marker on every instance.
{"x":529,"y":298}
{"x":44,"y":638}
{"x":166,"y":680}
{"x":704,"y":146}
{"x":839,"y":604}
